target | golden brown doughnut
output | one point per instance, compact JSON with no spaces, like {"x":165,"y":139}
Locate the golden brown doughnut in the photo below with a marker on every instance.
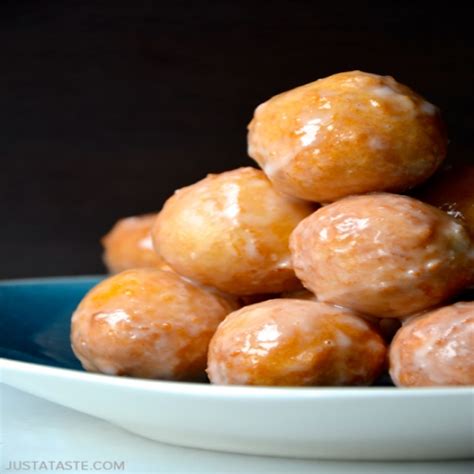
{"x":350,"y":133}
{"x":129,"y":245}
{"x":231,"y":231}
{"x":436,"y":348}
{"x":453,"y":191}
{"x":383,"y":255}
{"x":147,"y":323}
{"x":295,"y":342}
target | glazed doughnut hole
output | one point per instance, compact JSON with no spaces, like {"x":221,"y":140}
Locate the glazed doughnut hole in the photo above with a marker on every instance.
{"x":373,"y":264}
{"x":384,"y":255}
{"x":290,"y":342}
{"x":453,"y":191}
{"x":436,"y":348}
{"x":350,"y":133}
{"x":231,"y":231}
{"x":129,"y":245}
{"x":147,"y":323}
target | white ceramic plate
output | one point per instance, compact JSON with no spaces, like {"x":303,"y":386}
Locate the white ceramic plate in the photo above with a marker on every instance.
{"x":326,"y":423}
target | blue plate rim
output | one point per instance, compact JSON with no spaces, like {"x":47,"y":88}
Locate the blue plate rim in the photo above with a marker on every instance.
{"x":50,"y":279}
{"x":208,"y":389}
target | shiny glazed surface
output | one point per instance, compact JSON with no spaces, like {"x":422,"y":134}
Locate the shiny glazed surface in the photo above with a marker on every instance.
{"x":453,"y":191}
{"x":295,"y":343}
{"x":231,"y":231}
{"x":383,"y":254}
{"x":147,"y":323}
{"x":436,"y":348}
{"x":129,"y":245}
{"x":349,"y":133}
{"x":335,"y":423}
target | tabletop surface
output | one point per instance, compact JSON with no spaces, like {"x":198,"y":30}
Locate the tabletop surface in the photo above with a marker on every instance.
{"x":37,"y":431}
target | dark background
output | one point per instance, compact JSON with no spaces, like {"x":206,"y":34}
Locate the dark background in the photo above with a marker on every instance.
{"x":107,"y":107}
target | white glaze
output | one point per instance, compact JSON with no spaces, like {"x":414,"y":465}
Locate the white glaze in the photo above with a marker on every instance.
{"x":251,"y":246}
{"x":402,"y":101}
{"x":231,"y":209}
{"x":377,"y":143}
{"x":360,"y":249}
{"x":251,"y":337}
{"x":285,"y":263}
{"x":436,"y":361}
{"x":342,"y":340}
{"x":231,"y":231}
{"x":113,"y":317}
{"x":145,"y":322}
{"x":309,"y":131}
{"x":441,"y":344}
{"x":146,"y":243}
{"x":428,"y":108}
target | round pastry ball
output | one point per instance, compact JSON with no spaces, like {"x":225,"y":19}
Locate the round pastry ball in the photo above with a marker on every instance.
{"x":436,"y":348}
{"x":129,"y":245}
{"x":350,"y":133}
{"x":295,"y":342}
{"x":231,"y":231}
{"x":453,"y":191}
{"x":383,"y":254}
{"x":147,"y":323}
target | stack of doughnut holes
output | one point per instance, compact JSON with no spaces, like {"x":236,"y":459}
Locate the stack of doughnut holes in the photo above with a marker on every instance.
{"x":338,"y":260}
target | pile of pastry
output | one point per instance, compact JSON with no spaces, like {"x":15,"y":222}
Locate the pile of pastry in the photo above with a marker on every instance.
{"x":315,"y":270}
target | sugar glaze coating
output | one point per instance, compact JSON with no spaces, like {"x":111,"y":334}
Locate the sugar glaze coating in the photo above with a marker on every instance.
{"x":231,"y":231}
{"x":295,"y":342}
{"x":453,"y":191}
{"x":147,"y":323}
{"x":349,"y":133}
{"x":436,"y":348}
{"x":129,"y":245}
{"x":382,"y":254}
